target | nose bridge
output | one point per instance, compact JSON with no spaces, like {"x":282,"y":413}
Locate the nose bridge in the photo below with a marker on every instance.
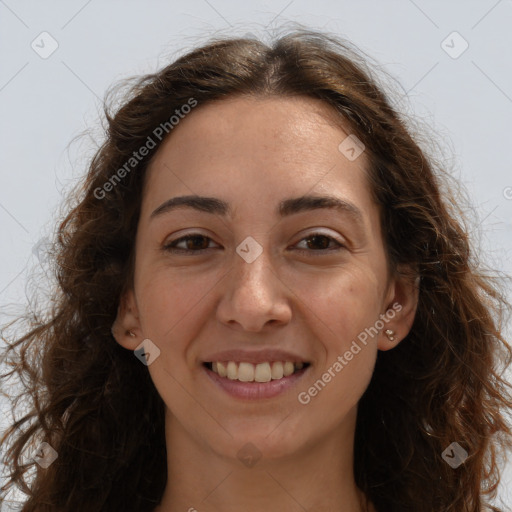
{"x":253,"y":296}
{"x":252,"y":269}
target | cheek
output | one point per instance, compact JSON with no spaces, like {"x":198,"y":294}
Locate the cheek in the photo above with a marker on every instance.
{"x":342,"y":313}
{"x":167,"y":299}
{"x":342,"y":303}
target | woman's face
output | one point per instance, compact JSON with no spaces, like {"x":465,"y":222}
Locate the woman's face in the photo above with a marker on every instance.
{"x":265,"y":278}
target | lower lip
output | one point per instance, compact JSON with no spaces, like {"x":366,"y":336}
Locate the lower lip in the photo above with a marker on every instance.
{"x":255,"y":390}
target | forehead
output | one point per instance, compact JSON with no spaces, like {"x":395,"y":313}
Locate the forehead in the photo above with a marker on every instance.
{"x":244,"y":124}
{"x":257,"y":148}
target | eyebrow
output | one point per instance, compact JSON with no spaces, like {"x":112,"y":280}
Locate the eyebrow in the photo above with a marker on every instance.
{"x":285,"y":208}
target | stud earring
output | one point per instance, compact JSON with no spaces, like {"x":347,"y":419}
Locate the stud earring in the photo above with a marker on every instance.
{"x":389,"y":333}
{"x":131,"y":334}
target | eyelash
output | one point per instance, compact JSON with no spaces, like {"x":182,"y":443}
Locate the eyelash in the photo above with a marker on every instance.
{"x":170,"y":247}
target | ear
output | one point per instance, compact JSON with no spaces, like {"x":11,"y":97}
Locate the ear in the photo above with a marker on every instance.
{"x":401,"y":304}
{"x":126,"y":327}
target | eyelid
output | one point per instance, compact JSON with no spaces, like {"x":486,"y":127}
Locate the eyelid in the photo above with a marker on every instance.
{"x":340,"y":245}
{"x":169,"y":246}
{"x":319,"y":231}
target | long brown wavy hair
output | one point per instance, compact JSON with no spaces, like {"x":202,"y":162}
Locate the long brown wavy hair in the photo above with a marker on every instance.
{"x":96,"y":405}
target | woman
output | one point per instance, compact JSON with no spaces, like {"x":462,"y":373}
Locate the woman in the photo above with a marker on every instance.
{"x":266,"y":301}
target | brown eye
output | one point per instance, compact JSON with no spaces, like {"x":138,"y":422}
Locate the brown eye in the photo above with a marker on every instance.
{"x":318,"y":242}
{"x":193,"y":243}
{"x":197,"y":243}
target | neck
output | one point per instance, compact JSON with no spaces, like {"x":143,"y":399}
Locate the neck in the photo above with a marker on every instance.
{"x":317,"y":477}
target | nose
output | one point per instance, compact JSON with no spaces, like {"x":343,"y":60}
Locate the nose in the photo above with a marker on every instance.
{"x":254,"y":296}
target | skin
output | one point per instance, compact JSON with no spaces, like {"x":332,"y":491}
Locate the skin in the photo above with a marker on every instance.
{"x":253,"y":153}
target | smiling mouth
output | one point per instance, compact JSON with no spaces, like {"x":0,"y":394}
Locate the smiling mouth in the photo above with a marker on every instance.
{"x":249,"y":372}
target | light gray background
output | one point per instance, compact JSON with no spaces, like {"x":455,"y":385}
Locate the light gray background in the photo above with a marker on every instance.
{"x":45,"y":103}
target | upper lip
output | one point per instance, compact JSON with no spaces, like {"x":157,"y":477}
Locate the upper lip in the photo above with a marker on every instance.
{"x":255,"y":356}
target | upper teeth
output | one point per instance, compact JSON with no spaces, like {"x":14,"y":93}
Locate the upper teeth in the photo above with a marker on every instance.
{"x":262,"y":372}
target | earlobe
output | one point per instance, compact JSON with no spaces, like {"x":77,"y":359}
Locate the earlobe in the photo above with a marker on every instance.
{"x":126,"y":327}
{"x":401,"y":310}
